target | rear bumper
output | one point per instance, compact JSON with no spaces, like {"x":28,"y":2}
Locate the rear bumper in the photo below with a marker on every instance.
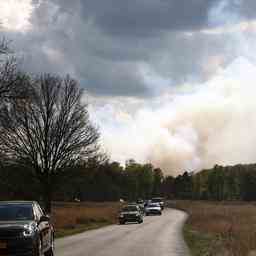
{"x":130,"y":219}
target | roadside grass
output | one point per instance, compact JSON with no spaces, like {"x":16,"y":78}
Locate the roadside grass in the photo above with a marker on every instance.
{"x":73,"y":218}
{"x":220,"y":228}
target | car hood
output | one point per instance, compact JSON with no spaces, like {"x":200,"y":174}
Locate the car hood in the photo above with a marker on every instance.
{"x":153,"y":208}
{"x":130,"y":212}
{"x":14,"y":224}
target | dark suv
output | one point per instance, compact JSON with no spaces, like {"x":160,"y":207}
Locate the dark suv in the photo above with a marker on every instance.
{"x":131,"y":213}
{"x":25,"y":230}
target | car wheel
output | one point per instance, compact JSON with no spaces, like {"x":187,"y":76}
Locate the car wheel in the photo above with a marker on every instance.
{"x":50,"y":252}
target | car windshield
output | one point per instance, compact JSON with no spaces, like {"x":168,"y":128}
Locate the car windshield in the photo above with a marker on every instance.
{"x":157,"y":200}
{"x":16,"y":212}
{"x":130,"y":209}
{"x":153,"y":205}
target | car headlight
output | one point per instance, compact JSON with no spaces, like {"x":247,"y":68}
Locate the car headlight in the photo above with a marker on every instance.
{"x":28,"y":231}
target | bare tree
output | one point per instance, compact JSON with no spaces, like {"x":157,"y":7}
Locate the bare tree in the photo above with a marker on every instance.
{"x":12,"y":81}
{"x":49,"y":132}
{"x":4,"y":49}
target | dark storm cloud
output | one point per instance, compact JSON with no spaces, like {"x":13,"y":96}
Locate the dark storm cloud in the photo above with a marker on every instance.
{"x":107,"y":44}
{"x":147,"y":17}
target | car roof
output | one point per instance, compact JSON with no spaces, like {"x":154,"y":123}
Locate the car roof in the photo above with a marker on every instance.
{"x":18,"y":202}
{"x":129,"y":205}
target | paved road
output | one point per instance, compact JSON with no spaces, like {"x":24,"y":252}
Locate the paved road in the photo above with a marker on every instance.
{"x":157,"y":236}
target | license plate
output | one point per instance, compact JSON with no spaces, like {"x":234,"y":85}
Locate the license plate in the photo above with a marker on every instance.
{"x":3,"y":245}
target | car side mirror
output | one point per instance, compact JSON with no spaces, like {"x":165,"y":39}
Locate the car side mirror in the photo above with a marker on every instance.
{"x":44,"y":218}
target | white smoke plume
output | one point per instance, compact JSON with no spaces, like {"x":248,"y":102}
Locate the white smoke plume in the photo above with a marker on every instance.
{"x":193,"y":127}
{"x":215,"y":124}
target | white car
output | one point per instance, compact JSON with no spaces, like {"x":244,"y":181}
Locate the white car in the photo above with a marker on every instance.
{"x":153,"y":209}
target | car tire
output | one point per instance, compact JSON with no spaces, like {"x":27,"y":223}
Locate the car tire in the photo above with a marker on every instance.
{"x":50,"y":252}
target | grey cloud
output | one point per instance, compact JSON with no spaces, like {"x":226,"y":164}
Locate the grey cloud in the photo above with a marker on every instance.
{"x":104,"y":43}
{"x":147,"y":17}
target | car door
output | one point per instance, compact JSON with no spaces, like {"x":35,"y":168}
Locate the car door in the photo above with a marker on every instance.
{"x":44,"y":228}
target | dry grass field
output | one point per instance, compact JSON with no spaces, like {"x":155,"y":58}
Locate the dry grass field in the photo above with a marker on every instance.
{"x":227,"y":228}
{"x":212,"y":229}
{"x":71,"y":218}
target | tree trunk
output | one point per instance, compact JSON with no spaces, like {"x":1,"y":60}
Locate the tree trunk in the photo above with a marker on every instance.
{"x":47,"y":196}
{"x":48,"y":203}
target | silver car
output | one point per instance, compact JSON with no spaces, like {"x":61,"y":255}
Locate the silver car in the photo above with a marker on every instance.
{"x":153,"y":209}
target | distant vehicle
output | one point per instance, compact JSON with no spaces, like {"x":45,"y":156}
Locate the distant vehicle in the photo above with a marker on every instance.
{"x":147,"y":202}
{"x":141,"y":203}
{"x":131,"y":213}
{"x":153,"y":209}
{"x":25,"y":230}
{"x":159,"y":200}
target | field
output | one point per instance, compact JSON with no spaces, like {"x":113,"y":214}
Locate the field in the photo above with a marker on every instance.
{"x":227,"y":228}
{"x":212,"y":229}
{"x":72,"y":218}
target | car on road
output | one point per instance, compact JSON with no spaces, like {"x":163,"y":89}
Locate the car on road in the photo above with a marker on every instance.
{"x":25,"y":230}
{"x":130,"y":213}
{"x":159,"y":200}
{"x":153,"y":209}
{"x":140,"y":203}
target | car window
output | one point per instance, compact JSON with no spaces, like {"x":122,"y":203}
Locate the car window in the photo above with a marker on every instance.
{"x":130,"y":209}
{"x":40,"y":209}
{"x":38,"y":212}
{"x":16,"y":212}
{"x":156,"y":200}
{"x":153,"y":205}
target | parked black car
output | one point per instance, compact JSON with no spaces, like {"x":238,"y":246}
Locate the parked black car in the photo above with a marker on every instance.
{"x":25,"y":230}
{"x":131,"y":213}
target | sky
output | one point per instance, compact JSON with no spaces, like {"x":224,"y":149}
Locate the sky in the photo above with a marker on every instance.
{"x":170,"y":82}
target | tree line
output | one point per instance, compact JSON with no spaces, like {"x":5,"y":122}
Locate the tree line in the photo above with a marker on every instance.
{"x":221,"y":183}
{"x":102,"y":180}
{"x":87,"y":181}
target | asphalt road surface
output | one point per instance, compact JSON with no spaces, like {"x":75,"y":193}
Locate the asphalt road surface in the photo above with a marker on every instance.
{"x":157,"y":236}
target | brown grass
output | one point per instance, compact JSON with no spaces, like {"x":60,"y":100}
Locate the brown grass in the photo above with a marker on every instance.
{"x":234,"y":224}
{"x":80,"y":216}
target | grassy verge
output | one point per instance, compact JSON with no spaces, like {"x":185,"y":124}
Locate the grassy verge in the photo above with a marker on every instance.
{"x":219,"y":228}
{"x":202,"y":244}
{"x":73,"y":218}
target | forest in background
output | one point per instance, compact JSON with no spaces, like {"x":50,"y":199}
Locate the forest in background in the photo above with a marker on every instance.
{"x":110,"y":181}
